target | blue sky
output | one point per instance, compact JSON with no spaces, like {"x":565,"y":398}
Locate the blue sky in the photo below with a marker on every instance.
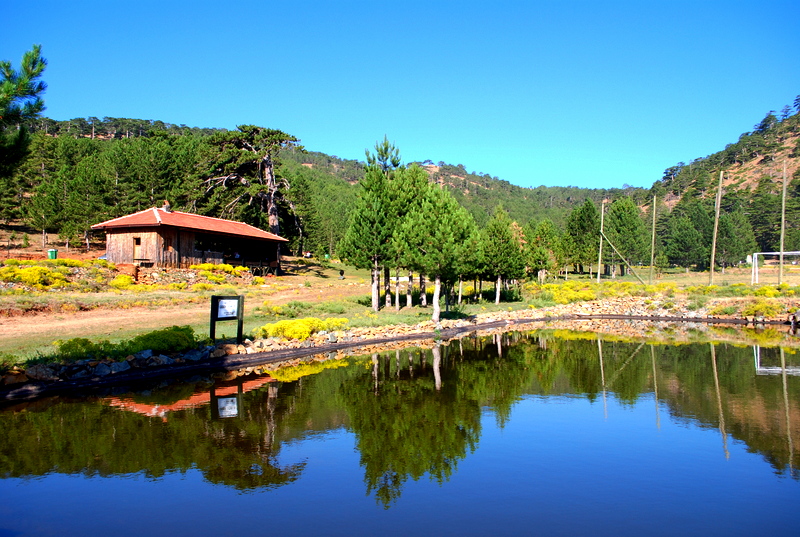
{"x":571,"y":93}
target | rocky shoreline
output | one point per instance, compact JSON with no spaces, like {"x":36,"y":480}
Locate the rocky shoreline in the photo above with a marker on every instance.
{"x":628,"y":317}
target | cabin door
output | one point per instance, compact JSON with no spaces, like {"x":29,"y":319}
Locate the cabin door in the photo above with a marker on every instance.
{"x":137,"y":248}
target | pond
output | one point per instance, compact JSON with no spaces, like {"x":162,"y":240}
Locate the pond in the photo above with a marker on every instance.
{"x":536,"y":433}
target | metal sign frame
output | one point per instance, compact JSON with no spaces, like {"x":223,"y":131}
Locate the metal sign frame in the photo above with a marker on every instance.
{"x":227,"y":308}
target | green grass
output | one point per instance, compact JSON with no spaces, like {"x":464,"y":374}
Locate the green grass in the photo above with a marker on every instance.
{"x":307,"y":278}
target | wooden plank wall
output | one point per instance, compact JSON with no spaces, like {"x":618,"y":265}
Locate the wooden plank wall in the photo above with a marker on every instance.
{"x":169,"y":247}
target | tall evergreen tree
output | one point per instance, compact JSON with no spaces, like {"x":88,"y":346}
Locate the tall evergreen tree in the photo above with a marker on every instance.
{"x":583,"y":232}
{"x":735,"y":239}
{"x":20,"y":102}
{"x":544,"y":248}
{"x":21,"y":91}
{"x":765,"y":215}
{"x":240,"y":176}
{"x":433,"y":239}
{"x":684,"y":244}
{"x":366,"y":242}
{"x":626,"y":230}
{"x":504,"y":254}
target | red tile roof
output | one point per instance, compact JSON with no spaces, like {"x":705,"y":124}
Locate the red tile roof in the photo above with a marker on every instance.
{"x":159,"y":217}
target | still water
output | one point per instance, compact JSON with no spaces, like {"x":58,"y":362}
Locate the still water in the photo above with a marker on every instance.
{"x":519,"y":434}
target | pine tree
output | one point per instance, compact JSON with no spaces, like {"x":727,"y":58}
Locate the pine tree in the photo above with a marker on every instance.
{"x":583,"y":233}
{"x":20,"y":102}
{"x":626,"y":230}
{"x":366,"y":242}
{"x":433,"y":239}
{"x":240,"y":172}
{"x":735,"y":239}
{"x":544,"y":248}
{"x":504,"y":254}
{"x":684,"y":244}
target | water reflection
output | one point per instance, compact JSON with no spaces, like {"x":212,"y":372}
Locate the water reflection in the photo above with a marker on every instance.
{"x":415,"y":413}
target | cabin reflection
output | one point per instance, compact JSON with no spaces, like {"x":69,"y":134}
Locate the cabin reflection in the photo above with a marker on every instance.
{"x":224,"y":397}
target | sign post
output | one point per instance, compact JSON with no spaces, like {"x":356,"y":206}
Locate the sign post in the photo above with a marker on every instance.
{"x":227,"y":308}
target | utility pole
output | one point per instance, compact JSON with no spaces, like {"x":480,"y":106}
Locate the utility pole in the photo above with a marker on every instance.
{"x":783,"y":223}
{"x":600,"y":251}
{"x":716,"y":226}
{"x":653,"y":243}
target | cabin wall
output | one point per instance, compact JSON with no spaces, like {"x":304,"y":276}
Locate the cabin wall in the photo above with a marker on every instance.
{"x":169,"y":248}
{"x":132,"y":245}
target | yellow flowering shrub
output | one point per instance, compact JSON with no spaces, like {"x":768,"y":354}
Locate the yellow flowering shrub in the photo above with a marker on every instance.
{"x":299,"y":328}
{"x":767,"y":291}
{"x":202,"y":287}
{"x":122,"y":281}
{"x":763,"y":307}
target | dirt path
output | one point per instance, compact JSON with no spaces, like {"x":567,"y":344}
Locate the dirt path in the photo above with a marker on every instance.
{"x":24,"y":334}
{"x":100,"y":321}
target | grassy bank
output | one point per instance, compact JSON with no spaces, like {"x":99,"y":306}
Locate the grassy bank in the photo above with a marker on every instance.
{"x":59,"y":300}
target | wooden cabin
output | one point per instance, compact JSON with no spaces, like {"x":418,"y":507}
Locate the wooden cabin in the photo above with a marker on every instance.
{"x":160,"y":237}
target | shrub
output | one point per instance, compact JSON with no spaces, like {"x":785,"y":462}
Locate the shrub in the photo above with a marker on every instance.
{"x":172,"y":339}
{"x":203,"y":266}
{"x":697,"y":302}
{"x":7,"y":361}
{"x":65,"y":262}
{"x":40,"y":277}
{"x":724,"y":310}
{"x":737,"y":289}
{"x":216,"y":278}
{"x":331,"y":307}
{"x":299,"y":328}
{"x":567,"y":293}
{"x":295,"y":308}
{"x":762,"y":308}
{"x":202,"y":287}
{"x":767,"y":291}
{"x":702,"y":289}
{"x":79,"y":348}
{"x":258,"y":280}
{"x":122,"y":281}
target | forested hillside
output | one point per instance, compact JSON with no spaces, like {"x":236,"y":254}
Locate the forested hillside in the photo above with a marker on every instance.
{"x":76,"y":173}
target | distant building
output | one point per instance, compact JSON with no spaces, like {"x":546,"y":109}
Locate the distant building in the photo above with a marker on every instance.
{"x":160,"y":237}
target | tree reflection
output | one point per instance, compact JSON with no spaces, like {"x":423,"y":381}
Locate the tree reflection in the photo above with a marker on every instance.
{"x":97,"y":440}
{"x":414,"y":412}
{"x":408,"y":424}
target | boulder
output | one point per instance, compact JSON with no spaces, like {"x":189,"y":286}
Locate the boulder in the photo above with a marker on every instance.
{"x":40,"y":372}
{"x":102,"y":370}
{"x":198,"y":354}
{"x":79,"y":374}
{"x":230,"y":348}
{"x":15,"y":377}
{"x":144,"y":354}
{"x":119,"y":367}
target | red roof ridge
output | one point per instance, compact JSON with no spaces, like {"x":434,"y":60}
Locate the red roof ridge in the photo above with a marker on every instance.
{"x":157,"y":216}
{"x":121,"y":217}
